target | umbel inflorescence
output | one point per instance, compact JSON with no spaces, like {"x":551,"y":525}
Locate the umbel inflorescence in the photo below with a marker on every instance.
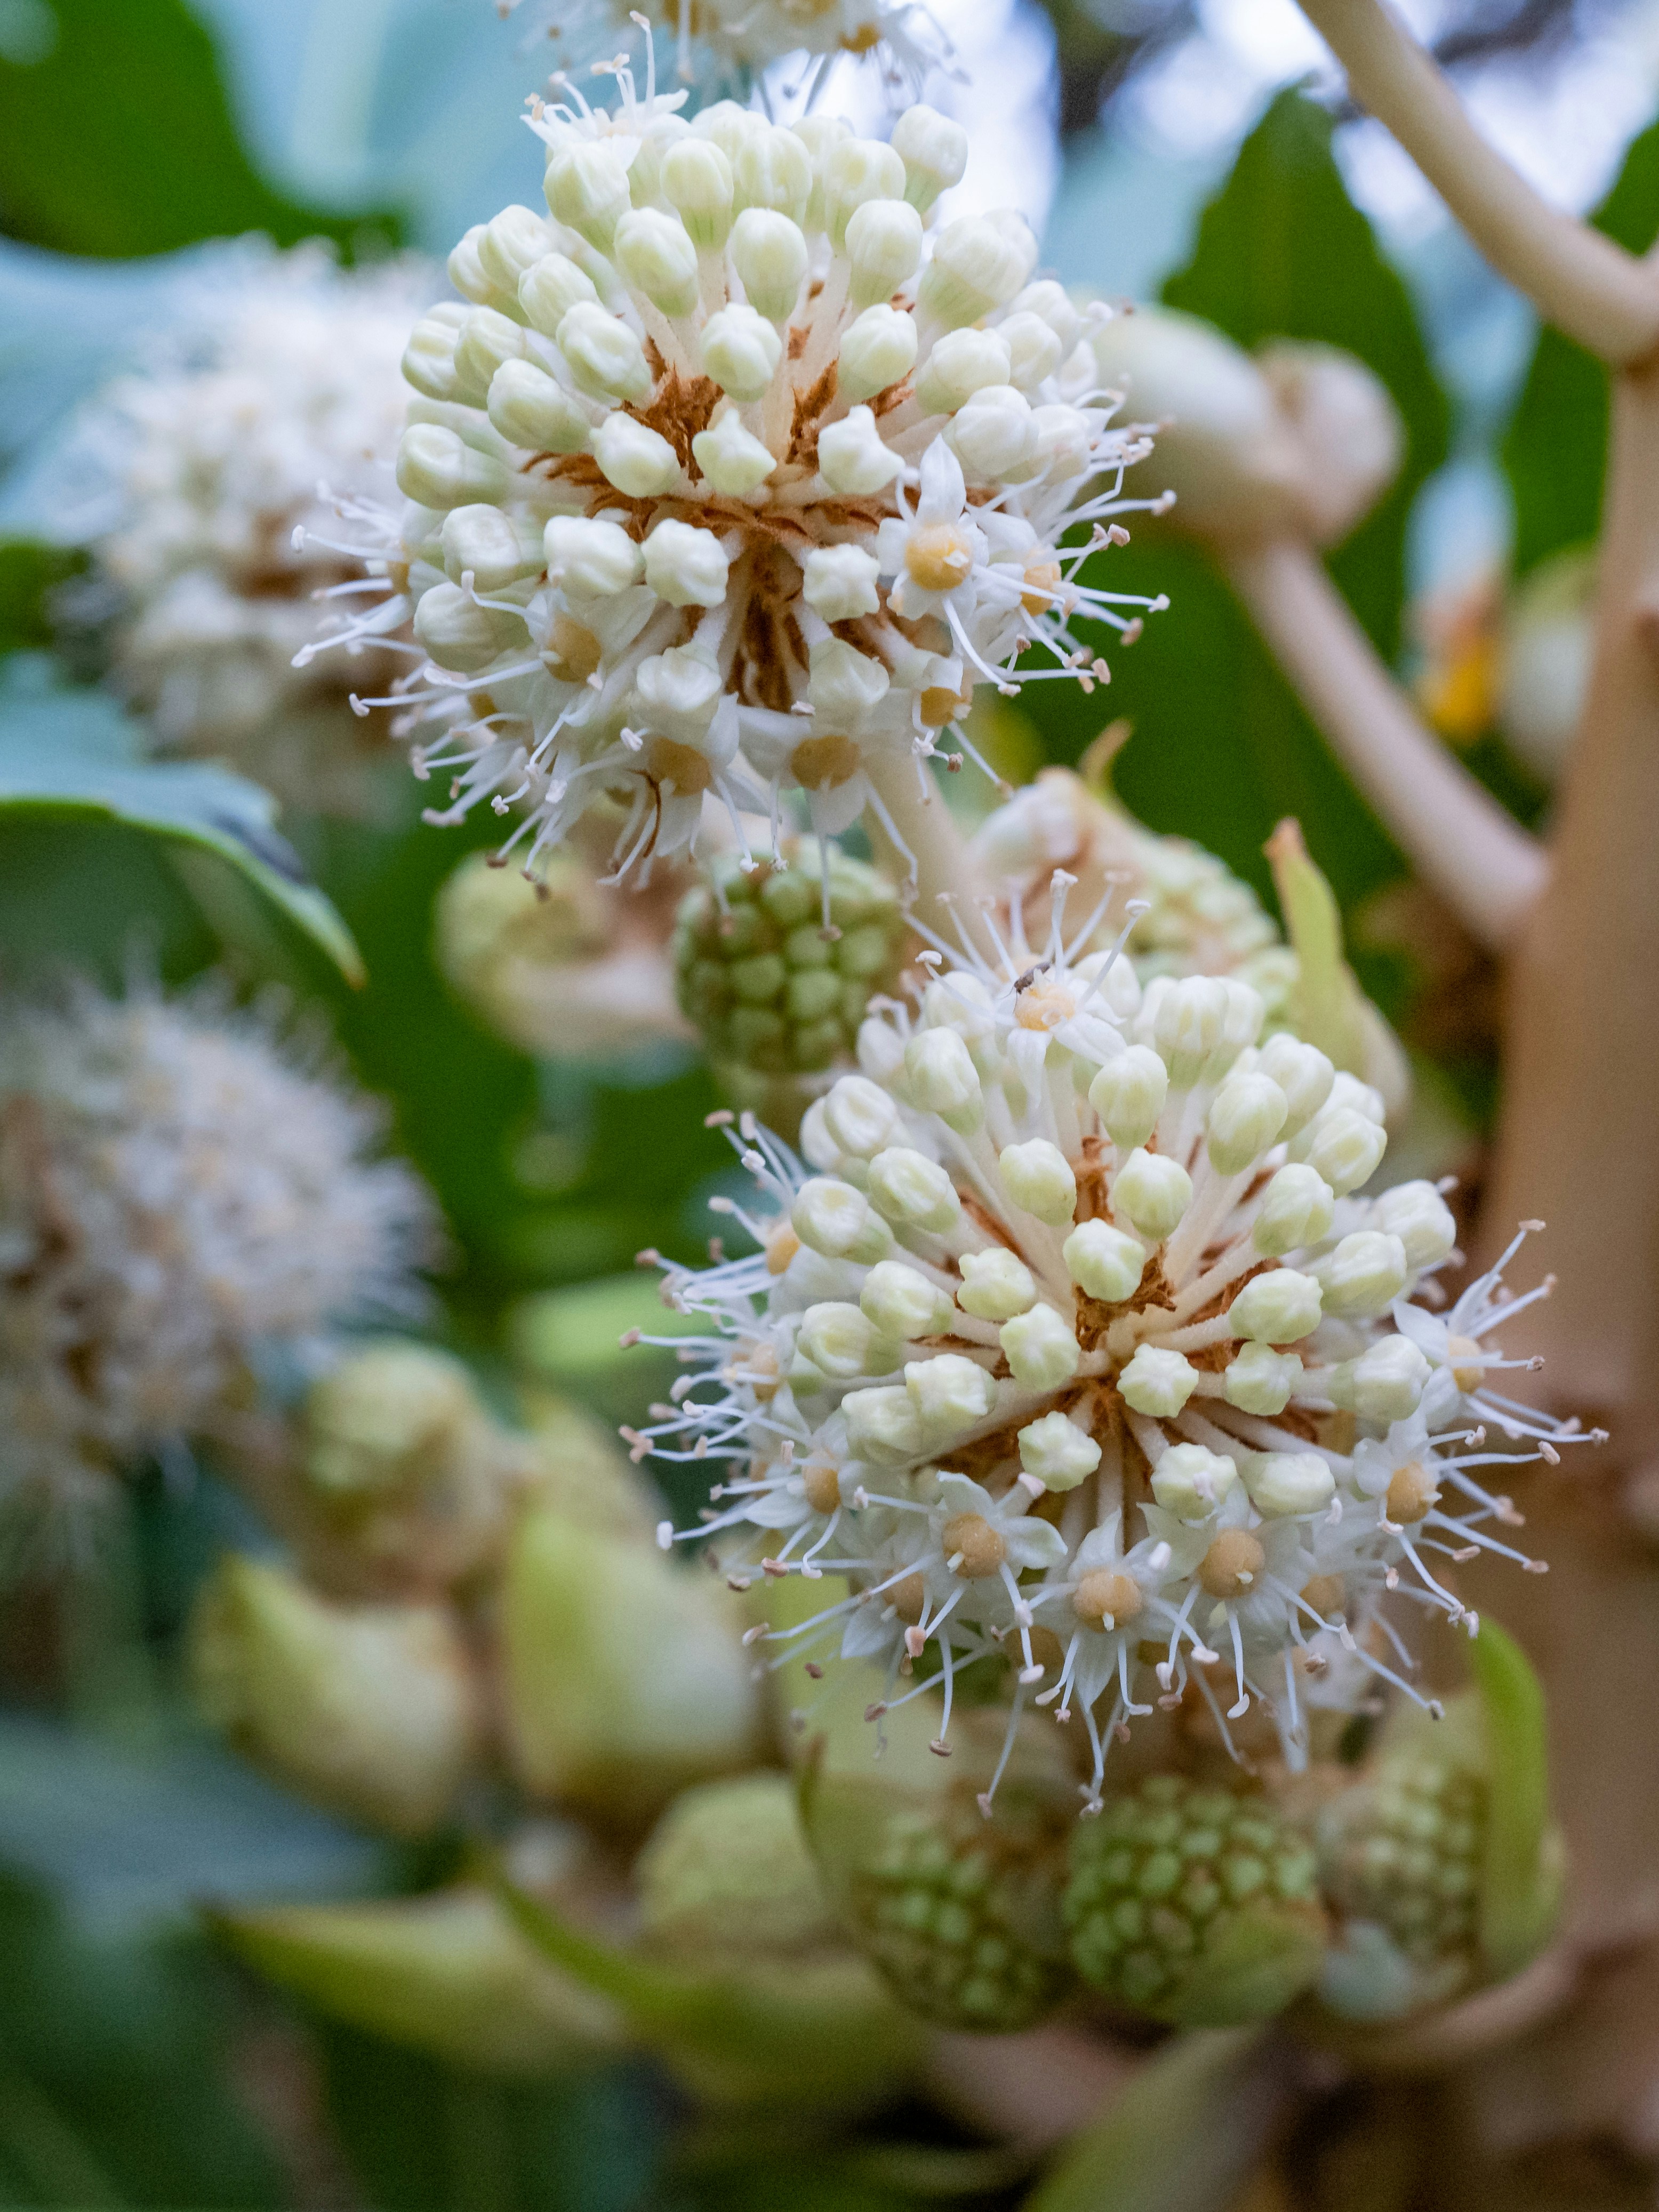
{"x":731,"y":481}
{"x":1072,"y":1339}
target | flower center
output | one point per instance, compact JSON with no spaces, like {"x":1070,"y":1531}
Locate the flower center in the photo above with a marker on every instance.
{"x":1107,"y":1598}
{"x":1232,"y":1562}
{"x":1468,"y":1362}
{"x":940,"y":705}
{"x":573,"y":652}
{"x":821,"y":1483}
{"x":1411,"y":1492}
{"x":818,"y":764}
{"x":1044,"y":1007}
{"x":1042,"y":583}
{"x":782,"y":1247}
{"x":938,"y":556}
{"x":681,"y":766}
{"x":973,"y":1548}
{"x":1325,"y":1593}
{"x":907,"y":1598}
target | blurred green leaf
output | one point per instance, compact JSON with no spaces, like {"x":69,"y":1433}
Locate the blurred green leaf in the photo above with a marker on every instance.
{"x":116,"y":139}
{"x":1556,"y":448}
{"x":29,"y":570}
{"x":1520,"y":1876}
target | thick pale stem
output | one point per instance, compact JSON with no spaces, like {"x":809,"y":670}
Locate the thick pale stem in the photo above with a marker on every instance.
{"x":1456,"y":835}
{"x":928,"y":829}
{"x":1580,"y":281}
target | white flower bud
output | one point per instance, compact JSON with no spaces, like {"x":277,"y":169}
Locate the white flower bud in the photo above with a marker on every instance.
{"x":996,"y":1284}
{"x":1191,"y":1482}
{"x":877,"y":350}
{"x":1158,"y":1383}
{"x":1297,"y":1209}
{"x":1128,"y":1095}
{"x":656,"y":256}
{"x":880,"y":1049}
{"x":855,"y":459}
{"x":962,"y":364}
{"x":730,"y":124}
{"x":686,"y":566}
{"x":1050,"y":302}
{"x":1103,"y":1262}
{"x":977,"y":267}
{"x":1416,"y":1214}
{"x":436,"y":468}
{"x":942,"y":1079}
{"x":532,"y":409}
{"x":1151,"y":1191}
{"x":934,"y":151}
{"x":468,"y":274}
{"x":740,"y":349}
{"x":883,"y":1425}
{"x":772,"y":170}
{"x":732,"y":458}
{"x":459,"y":633}
{"x":1279,"y":1307}
{"x":840,"y":582}
{"x":837,"y":1221}
{"x":860,"y":1116}
{"x":1346,"y":425}
{"x":1183,"y":1017}
{"x":678,"y":690}
{"x":1363,"y":1276}
{"x":513,"y":241}
{"x":1385,"y":1384}
{"x":697,"y":183}
{"x":1285,"y":1483}
{"x":591,"y":559}
{"x":1040,"y":1349}
{"x":604,"y":356}
{"x":636,"y":460}
{"x":1362,"y":1098}
{"x":1259,"y":1380}
{"x":768,"y":252}
{"x":587,"y":187}
{"x":1038,"y":1177}
{"x":992,"y":435}
{"x":486,"y":543}
{"x":1303,"y":1073}
{"x":1033,"y":352}
{"x":842,"y":1342}
{"x":1343,"y":1145}
{"x":907,"y":1187}
{"x":429,"y":357}
{"x":550,"y":289}
{"x":950,"y":1392}
{"x":1245,"y":1117}
{"x":1064,"y":442}
{"x":815,"y":1144}
{"x":645,"y":170}
{"x":857,"y":170}
{"x":845,"y":684}
{"x":883,"y":245}
{"x":960,"y":1002}
{"x":903,"y":1303}
{"x":1056,"y":1453}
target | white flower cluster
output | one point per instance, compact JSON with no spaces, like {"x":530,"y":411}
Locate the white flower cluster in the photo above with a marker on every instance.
{"x":731,"y":481}
{"x":285,"y":402}
{"x":1074,"y":1337}
{"x":173,"y":1197}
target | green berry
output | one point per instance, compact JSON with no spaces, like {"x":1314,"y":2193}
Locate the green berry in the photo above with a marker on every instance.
{"x":727,"y":1871}
{"x":1402,"y":1851}
{"x":1197,"y":1905}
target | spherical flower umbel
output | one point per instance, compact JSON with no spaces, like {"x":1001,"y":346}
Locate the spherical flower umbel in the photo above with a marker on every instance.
{"x":729,"y":482}
{"x":1075,"y":1336}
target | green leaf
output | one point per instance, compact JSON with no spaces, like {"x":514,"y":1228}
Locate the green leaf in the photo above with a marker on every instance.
{"x":1521,"y":1873}
{"x":1555,"y":449}
{"x":116,"y":139}
{"x":70,"y":758}
{"x":1328,"y":999}
{"x":29,"y":570}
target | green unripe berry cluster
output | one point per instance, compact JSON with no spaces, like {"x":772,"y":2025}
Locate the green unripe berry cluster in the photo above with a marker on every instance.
{"x":1197,"y":1905}
{"x":1405,"y":1854}
{"x":727,"y":1871}
{"x":765,"y":984}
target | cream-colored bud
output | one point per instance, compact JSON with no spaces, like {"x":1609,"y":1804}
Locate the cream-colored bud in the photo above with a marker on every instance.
{"x":855,"y":459}
{"x":1343,"y":1145}
{"x":1303,"y":1073}
{"x":1298,"y":1208}
{"x":459,"y":633}
{"x":740,"y":349}
{"x":1364,"y":1275}
{"x":840,"y":582}
{"x":732,"y":458}
{"x":1151,"y":1191}
{"x":941,"y":1078}
{"x":654,"y":253}
{"x":387,"y":1420}
{"x":960,"y":1001}
{"x":1064,"y":442}
{"x":1183,"y":1019}
{"x":678,"y":690}
{"x":429,"y":361}
{"x":1259,"y":1380}
{"x":950,"y":1392}
{"x":962,"y":364}
{"x":1282,"y":1483}
{"x":1346,"y":426}
{"x":857,"y":170}
{"x":839,"y":1222}
{"x":1156,"y":1382}
{"x":1051,"y":302}
{"x":977,"y":267}
{"x":513,"y":241}
{"x":994,"y":436}
{"x":469,"y":278}
{"x":1385,"y":1384}
{"x":845,"y":684}
{"x":730,"y":124}
{"x":768,"y":252}
{"x":645,"y":170}
{"x":772,"y":170}
{"x":860,"y":1116}
{"x":1245,"y":1117}
{"x":933,"y":148}
{"x":883,"y":245}
{"x":1128,"y":1095}
{"x":587,"y":187}
{"x":879,"y":349}
{"x":1416,"y":1214}
{"x":636,"y":459}
{"x":550,"y":289}
{"x":604,"y":356}
{"x":900,"y":1302}
{"x":884,"y":1426}
{"x":996,"y":1284}
{"x":820,"y":134}
{"x":1038,"y":1177}
{"x":1033,"y":352}
{"x":907,"y":1187}
{"x":490,"y":546}
{"x":1040,"y":1348}
{"x":880,"y":1049}
{"x":1056,"y":1453}
{"x":532,"y":409}
{"x":1191,"y":1482}
{"x":842,"y":1342}
{"x":686,"y":566}
{"x":1103,"y":1262}
{"x":436,"y":468}
{"x":1279,"y":1307}
{"x":591,"y":559}
{"x":697,"y":183}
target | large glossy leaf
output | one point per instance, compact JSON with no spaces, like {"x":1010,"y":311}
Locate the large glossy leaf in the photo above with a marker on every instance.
{"x":70,"y":759}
